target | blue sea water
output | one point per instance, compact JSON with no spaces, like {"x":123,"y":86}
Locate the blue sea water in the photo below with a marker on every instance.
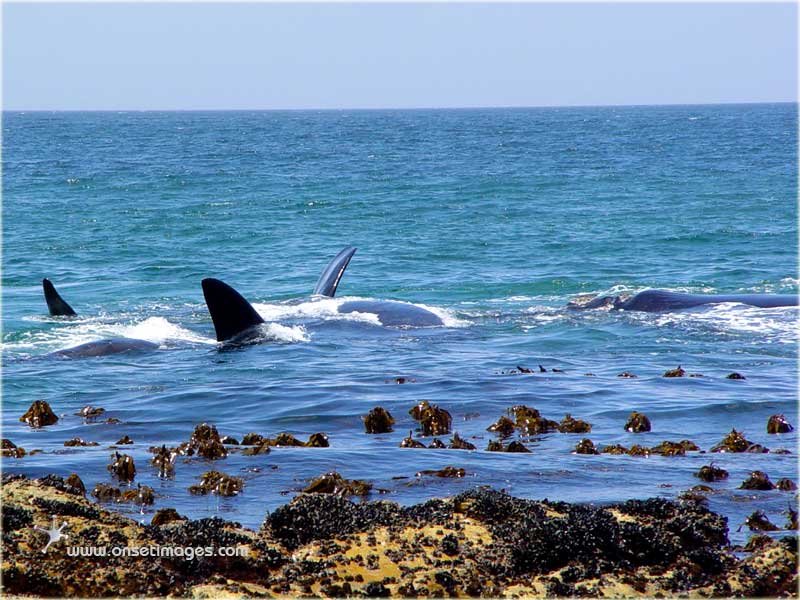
{"x":495,"y":218}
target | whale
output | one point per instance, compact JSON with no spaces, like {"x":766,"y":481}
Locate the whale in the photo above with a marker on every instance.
{"x":390,"y":313}
{"x":58,"y":307}
{"x":237,"y":322}
{"x":666,"y":301}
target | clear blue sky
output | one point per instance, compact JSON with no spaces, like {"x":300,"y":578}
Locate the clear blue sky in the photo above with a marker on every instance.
{"x":237,"y":56}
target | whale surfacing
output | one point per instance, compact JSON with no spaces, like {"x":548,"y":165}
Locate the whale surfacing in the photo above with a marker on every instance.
{"x":232,"y":315}
{"x":665,"y":301}
{"x":55,"y":303}
{"x":118,"y":345}
{"x":105,"y":347}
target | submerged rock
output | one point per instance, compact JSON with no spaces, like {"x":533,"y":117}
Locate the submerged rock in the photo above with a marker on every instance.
{"x":39,"y":414}
{"x":785,"y":485}
{"x":627,"y":375}
{"x":735,"y":375}
{"x":379,"y":420}
{"x":90,"y":412}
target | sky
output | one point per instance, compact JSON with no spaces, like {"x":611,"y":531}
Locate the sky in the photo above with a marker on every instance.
{"x":304,"y":56}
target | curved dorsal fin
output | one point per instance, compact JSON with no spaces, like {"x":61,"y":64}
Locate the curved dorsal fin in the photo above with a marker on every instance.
{"x":55,"y":303}
{"x":329,"y":280}
{"x":230,"y":312}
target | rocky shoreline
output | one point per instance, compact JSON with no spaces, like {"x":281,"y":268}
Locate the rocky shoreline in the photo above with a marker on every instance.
{"x":481,"y":543}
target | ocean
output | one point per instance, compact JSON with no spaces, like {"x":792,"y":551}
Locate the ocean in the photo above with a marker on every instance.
{"x":493,"y":218}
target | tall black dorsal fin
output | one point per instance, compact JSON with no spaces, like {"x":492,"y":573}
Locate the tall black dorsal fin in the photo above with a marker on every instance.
{"x":230,"y":312}
{"x":55,"y":303}
{"x":329,"y":280}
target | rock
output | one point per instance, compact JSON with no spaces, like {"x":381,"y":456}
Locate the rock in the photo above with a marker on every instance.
{"x":785,"y":485}
{"x":124,"y":440}
{"x":627,"y":375}
{"x":504,"y":426}
{"x":735,"y":376}
{"x":733,"y":442}
{"x":758,"y":521}
{"x":318,"y":440}
{"x":39,"y":415}
{"x":446,"y":472}
{"x":90,"y":412}
{"x":458,"y":443}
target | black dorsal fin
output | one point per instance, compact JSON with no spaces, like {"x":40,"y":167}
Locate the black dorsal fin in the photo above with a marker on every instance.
{"x":55,"y":303}
{"x":230,"y":312}
{"x":329,"y":280}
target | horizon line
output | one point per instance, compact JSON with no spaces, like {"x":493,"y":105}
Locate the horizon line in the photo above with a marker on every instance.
{"x":399,"y":108}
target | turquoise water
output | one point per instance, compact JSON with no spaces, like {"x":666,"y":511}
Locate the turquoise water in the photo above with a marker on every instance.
{"x":496,"y":218}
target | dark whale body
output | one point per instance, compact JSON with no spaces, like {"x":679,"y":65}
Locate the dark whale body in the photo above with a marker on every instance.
{"x":105,"y":347}
{"x":236,"y":321}
{"x":393,"y":314}
{"x":58,"y":307}
{"x":664,"y":301}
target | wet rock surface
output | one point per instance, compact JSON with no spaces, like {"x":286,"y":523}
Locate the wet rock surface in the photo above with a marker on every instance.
{"x":480,"y":542}
{"x":779,"y":424}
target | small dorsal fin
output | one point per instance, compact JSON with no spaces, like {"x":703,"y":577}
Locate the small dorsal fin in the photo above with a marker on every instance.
{"x":329,"y":280}
{"x":55,"y":303}
{"x":230,"y":312}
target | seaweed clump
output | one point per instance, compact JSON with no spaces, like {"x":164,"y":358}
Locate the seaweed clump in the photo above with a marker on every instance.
{"x":758,"y":480}
{"x":570,"y":425}
{"x":733,"y":442}
{"x":11,"y":450}
{"x":637,"y":423}
{"x":216,"y":482}
{"x":711,"y":473}
{"x":122,"y":467}
{"x":779,"y":424}
{"x":39,"y":414}
{"x":378,"y":420}
{"x":432,"y":419}
{"x":333,"y":483}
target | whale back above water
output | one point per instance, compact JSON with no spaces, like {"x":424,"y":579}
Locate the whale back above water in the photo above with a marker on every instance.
{"x":665,"y":301}
{"x":332,"y":274}
{"x":231,"y":314}
{"x":55,"y":303}
{"x":105,"y":347}
{"x":393,"y":314}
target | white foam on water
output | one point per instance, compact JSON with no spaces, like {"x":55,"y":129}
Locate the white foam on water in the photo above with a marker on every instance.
{"x":780,"y":324}
{"x":74,"y":333}
{"x":283,"y":333}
